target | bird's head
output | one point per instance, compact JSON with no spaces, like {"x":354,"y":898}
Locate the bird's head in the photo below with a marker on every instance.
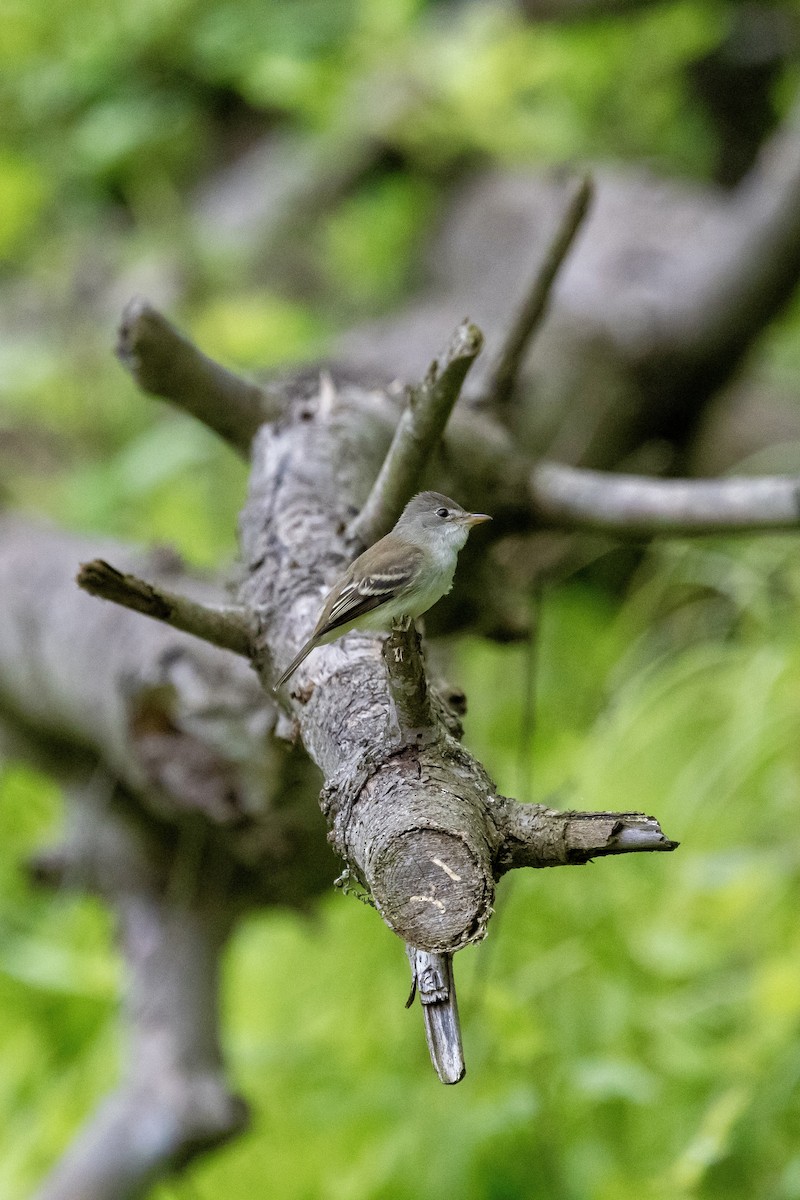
{"x":430,"y":516}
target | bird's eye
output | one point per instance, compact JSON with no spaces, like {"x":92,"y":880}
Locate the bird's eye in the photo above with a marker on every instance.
{"x":442,"y":512}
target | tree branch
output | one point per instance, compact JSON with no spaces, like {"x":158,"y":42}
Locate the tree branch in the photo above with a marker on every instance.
{"x":413,"y":819}
{"x":637,"y":506}
{"x":165,"y":363}
{"x":432,"y":974}
{"x":402,"y":653}
{"x":174,"y":1101}
{"x":216,"y":819}
{"x":228,"y":626}
{"x":536,"y":836}
{"x":183,"y":724}
{"x":505,"y":370}
{"x":433,"y":980}
{"x":417,"y":434}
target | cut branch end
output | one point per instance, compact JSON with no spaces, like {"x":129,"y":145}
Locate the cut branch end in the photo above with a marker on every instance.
{"x":165,"y":363}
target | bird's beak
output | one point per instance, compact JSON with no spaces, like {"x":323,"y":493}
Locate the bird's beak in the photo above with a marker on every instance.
{"x":471,"y":519}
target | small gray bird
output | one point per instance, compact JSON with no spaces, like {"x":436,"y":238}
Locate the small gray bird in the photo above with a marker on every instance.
{"x":399,"y":577}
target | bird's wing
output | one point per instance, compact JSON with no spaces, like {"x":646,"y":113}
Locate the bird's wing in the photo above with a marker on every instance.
{"x":361,"y":593}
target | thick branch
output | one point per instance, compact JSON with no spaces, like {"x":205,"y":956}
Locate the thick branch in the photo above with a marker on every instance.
{"x":417,"y":434}
{"x":226,"y":626}
{"x":432,"y":974}
{"x":637,"y":506}
{"x":506,"y":368}
{"x":184,"y":725}
{"x":412,"y":817}
{"x":165,"y":363}
{"x":222,"y":820}
{"x":174,"y":1101}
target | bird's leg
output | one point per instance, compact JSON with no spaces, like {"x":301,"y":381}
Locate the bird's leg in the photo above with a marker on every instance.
{"x":400,"y":625}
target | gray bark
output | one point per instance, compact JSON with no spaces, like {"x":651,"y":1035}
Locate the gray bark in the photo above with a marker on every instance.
{"x":659,"y":297}
{"x":664,"y":290}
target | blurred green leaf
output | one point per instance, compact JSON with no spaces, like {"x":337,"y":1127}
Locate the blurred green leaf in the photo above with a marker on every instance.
{"x":370,"y":240}
{"x":23,"y":192}
{"x":256,"y":329}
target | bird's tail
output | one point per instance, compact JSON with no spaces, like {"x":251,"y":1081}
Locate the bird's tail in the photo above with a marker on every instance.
{"x":294,"y":664}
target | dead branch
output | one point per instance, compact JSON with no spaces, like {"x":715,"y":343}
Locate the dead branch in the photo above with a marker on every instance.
{"x":415,"y":817}
{"x":432,"y":979}
{"x":534,"y":835}
{"x":183,"y":724}
{"x":412,"y":817}
{"x":165,"y":363}
{"x":405,"y":672}
{"x":223,"y":625}
{"x":506,"y":368}
{"x":174,"y":1101}
{"x":636,"y":506}
{"x":216,"y":818}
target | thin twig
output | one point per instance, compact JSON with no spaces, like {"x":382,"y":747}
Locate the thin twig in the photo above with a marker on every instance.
{"x":433,"y":980}
{"x":165,"y":363}
{"x":417,"y":434}
{"x":503,"y":377}
{"x":408,"y":686}
{"x":227,"y":626}
{"x":639,"y":506}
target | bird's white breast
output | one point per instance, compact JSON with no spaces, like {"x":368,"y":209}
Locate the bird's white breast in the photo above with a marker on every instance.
{"x":440,"y":570}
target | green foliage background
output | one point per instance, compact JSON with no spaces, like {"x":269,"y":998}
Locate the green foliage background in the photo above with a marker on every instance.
{"x":631,"y":1027}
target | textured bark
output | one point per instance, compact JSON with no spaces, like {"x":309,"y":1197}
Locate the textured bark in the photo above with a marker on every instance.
{"x":215,"y":816}
{"x":411,"y":816}
{"x":640,"y":331}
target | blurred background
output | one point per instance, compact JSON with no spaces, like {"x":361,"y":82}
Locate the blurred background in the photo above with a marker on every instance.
{"x":269,"y":174}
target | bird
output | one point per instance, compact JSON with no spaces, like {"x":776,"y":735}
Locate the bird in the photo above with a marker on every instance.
{"x":399,"y":577}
